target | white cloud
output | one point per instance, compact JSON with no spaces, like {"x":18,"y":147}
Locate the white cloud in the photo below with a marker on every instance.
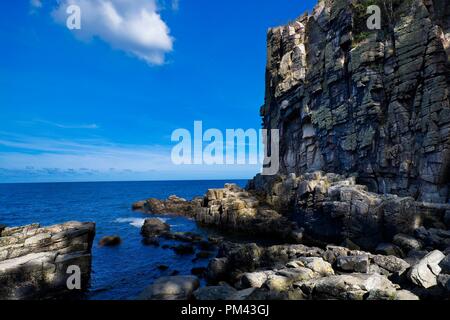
{"x":134,"y":26}
{"x":33,"y":158}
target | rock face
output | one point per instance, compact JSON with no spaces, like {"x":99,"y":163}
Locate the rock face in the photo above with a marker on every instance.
{"x":334,"y":208}
{"x":34,"y":260}
{"x":373,"y":102}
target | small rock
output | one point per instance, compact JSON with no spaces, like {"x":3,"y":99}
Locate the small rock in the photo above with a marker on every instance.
{"x":198,"y":271}
{"x":154,"y":227}
{"x":316,"y":264}
{"x":278,"y":283}
{"x":242,"y":294}
{"x":203,"y":255}
{"x":217,"y":269}
{"x":354,"y":263}
{"x":407,"y":243}
{"x":175,"y":273}
{"x":406,"y":295}
{"x":425,"y":272}
{"x":151,"y":241}
{"x":163,"y":267}
{"x":389,"y":249}
{"x":183,"y":249}
{"x":140,"y":205}
{"x":2,"y":227}
{"x":391,"y":263}
{"x":171,"y":288}
{"x":224,"y":292}
{"x":110,"y":241}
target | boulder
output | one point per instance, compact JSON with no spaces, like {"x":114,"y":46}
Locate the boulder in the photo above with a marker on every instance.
{"x":392,"y":264}
{"x":255,"y":279}
{"x":110,"y":241}
{"x":217,"y":269}
{"x":425,"y":272}
{"x":223,"y":292}
{"x":406,"y":242}
{"x":389,"y":249}
{"x":316,"y":264}
{"x":358,"y":263}
{"x":154,"y":227}
{"x":171,"y":288}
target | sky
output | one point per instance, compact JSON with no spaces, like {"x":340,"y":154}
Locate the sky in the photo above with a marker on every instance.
{"x":100,"y":103}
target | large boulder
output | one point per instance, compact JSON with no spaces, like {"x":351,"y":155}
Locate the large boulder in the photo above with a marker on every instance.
{"x":360,"y":263}
{"x":171,"y":288}
{"x":36,"y":262}
{"x":426,"y":271}
{"x":154,"y":227}
{"x":223,"y":292}
{"x":354,"y":286}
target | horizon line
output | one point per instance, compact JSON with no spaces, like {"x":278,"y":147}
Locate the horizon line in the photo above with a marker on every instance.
{"x":112,"y":181}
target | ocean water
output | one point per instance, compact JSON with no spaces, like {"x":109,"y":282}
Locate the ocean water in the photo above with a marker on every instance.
{"x":119,"y":272}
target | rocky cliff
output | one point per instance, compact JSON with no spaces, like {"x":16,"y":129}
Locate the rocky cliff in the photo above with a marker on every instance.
{"x":34,"y":260}
{"x":374,"y":103}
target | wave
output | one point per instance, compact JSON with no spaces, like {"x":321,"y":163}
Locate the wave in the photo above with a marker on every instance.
{"x":135,"y":222}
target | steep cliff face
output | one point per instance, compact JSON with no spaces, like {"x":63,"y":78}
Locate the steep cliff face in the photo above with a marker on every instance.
{"x":373,"y":102}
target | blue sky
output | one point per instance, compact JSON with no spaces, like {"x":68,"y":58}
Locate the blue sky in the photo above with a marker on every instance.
{"x":101,"y":103}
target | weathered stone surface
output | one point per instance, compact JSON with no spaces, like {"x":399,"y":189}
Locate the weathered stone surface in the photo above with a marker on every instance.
{"x":223,"y":292}
{"x":34,"y":260}
{"x":389,"y":249}
{"x":349,"y":287}
{"x":425,"y":272}
{"x":154,"y":227}
{"x":316,"y":264}
{"x":406,"y":295}
{"x":171,"y":288}
{"x":391,"y":263}
{"x":407,"y":242}
{"x":354,"y":263}
{"x":255,"y":279}
{"x":371,"y":102}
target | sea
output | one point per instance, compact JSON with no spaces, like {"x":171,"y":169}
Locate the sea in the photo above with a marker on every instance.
{"x":122,"y":272}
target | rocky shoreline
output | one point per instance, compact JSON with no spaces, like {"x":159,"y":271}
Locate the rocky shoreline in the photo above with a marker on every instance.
{"x":378,"y":246}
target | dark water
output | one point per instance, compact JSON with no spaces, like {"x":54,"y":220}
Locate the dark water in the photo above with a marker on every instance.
{"x":121,"y":272}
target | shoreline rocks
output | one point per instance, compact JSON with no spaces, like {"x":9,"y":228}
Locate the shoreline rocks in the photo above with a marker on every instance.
{"x":34,"y":260}
{"x":171,"y":288}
